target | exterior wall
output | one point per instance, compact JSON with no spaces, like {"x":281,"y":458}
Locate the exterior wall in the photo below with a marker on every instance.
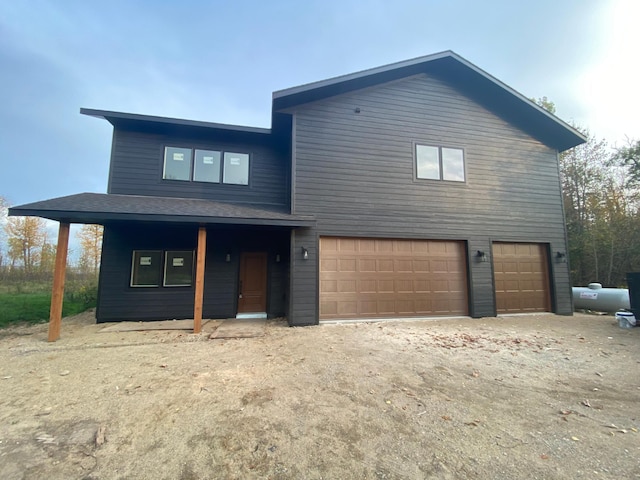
{"x":355,"y":173}
{"x":118,"y":301}
{"x":137,"y":164}
{"x":303,"y":305}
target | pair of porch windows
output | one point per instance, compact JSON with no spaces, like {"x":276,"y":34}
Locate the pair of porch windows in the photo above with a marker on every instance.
{"x":205,"y":166}
{"x":170,"y":268}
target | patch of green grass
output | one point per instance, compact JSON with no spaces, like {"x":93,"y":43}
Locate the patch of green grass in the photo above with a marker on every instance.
{"x":34,"y":307}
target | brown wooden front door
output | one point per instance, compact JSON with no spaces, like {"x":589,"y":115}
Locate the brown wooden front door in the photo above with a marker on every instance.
{"x":252,"y":291}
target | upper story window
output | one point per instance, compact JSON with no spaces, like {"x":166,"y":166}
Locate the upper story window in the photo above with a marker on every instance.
{"x":439,"y":163}
{"x":236,"y":168}
{"x":177,"y":163}
{"x":205,"y":166}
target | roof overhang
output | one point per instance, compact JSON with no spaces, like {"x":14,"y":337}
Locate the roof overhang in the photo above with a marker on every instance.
{"x":101,"y":208}
{"x":166,"y":125}
{"x":462,"y":75}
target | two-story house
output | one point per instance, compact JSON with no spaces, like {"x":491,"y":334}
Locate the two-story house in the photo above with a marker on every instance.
{"x":421,"y":188}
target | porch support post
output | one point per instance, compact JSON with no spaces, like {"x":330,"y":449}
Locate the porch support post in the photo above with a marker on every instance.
{"x":200,"y":258}
{"x":57,"y":293}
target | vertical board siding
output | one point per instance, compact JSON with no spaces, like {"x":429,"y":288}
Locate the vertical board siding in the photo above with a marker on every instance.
{"x":118,"y":301}
{"x":355,"y":172}
{"x":137,"y":164}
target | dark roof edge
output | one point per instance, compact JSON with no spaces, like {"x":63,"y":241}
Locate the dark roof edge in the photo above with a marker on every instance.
{"x":517,"y":94}
{"x":416,"y":61}
{"x":110,"y":115}
{"x":362,"y":73}
{"x":102,"y":217}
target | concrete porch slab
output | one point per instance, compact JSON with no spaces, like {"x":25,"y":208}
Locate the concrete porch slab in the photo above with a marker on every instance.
{"x":240,"y":328}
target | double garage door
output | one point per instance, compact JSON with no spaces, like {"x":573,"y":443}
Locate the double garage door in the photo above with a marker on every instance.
{"x":368,"y":278}
{"x":372,"y":278}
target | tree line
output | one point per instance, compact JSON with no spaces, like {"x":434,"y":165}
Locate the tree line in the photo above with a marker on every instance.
{"x":28,"y":253}
{"x":600,"y":187}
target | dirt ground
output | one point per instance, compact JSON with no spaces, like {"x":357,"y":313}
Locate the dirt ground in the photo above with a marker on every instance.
{"x":503,"y":398}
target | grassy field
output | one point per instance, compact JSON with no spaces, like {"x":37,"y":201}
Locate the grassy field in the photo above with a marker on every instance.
{"x":30,"y":303}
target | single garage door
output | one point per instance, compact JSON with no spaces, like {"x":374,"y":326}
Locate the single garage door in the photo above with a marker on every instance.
{"x":521,"y":277}
{"x":367,"y":278}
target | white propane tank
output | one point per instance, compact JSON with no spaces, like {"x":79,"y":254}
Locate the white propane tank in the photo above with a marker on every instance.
{"x":594,"y":297}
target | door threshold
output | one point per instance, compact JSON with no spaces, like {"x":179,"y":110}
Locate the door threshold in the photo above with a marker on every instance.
{"x":252,"y":315}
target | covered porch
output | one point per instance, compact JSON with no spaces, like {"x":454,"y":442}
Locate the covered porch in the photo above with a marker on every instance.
{"x":166,"y":258}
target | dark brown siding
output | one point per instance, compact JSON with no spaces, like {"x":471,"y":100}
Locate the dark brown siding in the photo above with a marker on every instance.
{"x":137,"y":164}
{"x":118,"y":301}
{"x":355,"y":172}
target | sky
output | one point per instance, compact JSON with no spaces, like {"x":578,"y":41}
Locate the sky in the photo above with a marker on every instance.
{"x":220,"y":61}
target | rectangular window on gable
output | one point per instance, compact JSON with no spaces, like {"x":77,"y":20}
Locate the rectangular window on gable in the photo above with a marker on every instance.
{"x":439,"y":163}
{"x":177,"y":163}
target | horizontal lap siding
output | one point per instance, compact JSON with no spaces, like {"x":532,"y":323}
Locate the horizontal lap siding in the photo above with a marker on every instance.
{"x":303,"y":303}
{"x":119,"y":301}
{"x":355,"y":172}
{"x":137,"y":165}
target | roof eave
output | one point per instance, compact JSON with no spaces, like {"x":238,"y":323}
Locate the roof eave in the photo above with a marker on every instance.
{"x":100,"y":218}
{"x":116,"y":118}
{"x":555,"y":131}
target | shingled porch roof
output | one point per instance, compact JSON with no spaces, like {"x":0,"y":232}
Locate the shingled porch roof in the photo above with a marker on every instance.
{"x":99,"y":208}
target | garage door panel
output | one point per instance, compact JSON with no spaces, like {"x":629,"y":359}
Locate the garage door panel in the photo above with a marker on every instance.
{"x":404,"y":286}
{"x":346,"y":286}
{"x":347,"y":308}
{"x":422,"y":286}
{"x":421,"y":266}
{"x":329,"y":265}
{"x":328,"y":307}
{"x":521,"y":278}
{"x":404,"y":266}
{"x":347,"y":245}
{"x":397,"y":278}
{"x":404,"y":246}
{"x":329,"y":286}
{"x":367,"y":265}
